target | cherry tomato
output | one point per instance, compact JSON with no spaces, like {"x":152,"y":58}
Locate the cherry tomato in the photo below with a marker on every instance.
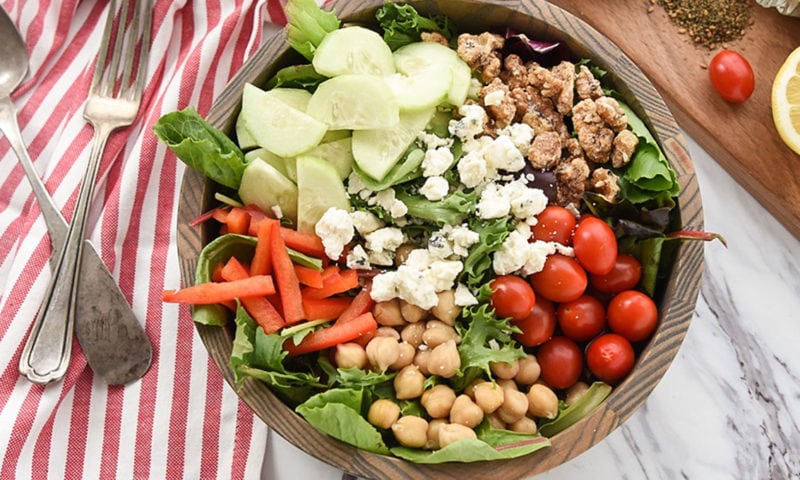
{"x":633,"y":315}
{"x":595,"y":245}
{"x":561,"y":279}
{"x":554,"y":224}
{"x":512,"y":297}
{"x":539,"y":325}
{"x":561,"y":361}
{"x":582,"y":319}
{"x":732,"y":76}
{"x":623,"y":276}
{"x":610,"y":357}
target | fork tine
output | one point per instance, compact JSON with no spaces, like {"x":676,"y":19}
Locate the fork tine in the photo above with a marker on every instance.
{"x":144,"y":53}
{"x":129,"y":43}
{"x":99,"y":68}
{"x":110,"y":82}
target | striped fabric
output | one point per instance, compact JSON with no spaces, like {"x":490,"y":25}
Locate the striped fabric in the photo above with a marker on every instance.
{"x":180,"y":420}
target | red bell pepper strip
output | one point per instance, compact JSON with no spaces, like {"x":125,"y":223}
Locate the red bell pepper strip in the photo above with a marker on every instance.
{"x":361,"y":304}
{"x":238,"y":220}
{"x":212,"y":292}
{"x":333,"y":335}
{"x":286,"y":278}
{"x":326,"y":308}
{"x":259,"y":308}
{"x":307,"y":243}
{"x":341,"y":282}
{"x":262,"y":259}
{"x":308,"y":276}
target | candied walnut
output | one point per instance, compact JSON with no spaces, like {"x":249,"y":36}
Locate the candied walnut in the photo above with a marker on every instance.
{"x":541,"y":115}
{"x":565,"y":72}
{"x":573,"y":147}
{"x":604,"y":182}
{"x":586,"y":85}
{"x":625,"y":144}
{"x":548,"y":83}
{"x":521,"y":101}
{"x":545,"y":151}
{"x":595,"y":138}
{"x":498,"y":103}
{"x":434,"y":37}
{"x":571,"y":177}
{"x":612,"y":114}
{"x":481,"y":53}
{"x":514,"y":73}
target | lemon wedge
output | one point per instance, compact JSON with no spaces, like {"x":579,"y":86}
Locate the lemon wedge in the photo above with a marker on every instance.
{"x":786,"y":101}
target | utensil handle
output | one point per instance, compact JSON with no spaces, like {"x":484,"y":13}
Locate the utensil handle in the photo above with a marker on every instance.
{"x":47,"y":352}
{"x":56,"y":225}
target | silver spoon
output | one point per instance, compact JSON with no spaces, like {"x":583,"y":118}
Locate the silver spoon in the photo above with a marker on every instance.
{"x":111,"y":337}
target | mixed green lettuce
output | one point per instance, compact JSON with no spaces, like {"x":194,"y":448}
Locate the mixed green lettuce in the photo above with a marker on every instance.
{"x":402,"y":24}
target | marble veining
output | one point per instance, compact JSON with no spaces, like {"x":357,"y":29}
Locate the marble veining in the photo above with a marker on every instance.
{"x":729,"y":405}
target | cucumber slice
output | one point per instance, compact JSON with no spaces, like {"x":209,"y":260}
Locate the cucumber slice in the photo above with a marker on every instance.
{"x":354,"y":102}
{"x":423,"y":90}
{"x":265,"y":187}
{"x":377,"y":151}
{"x":265,"y":155}
{"x":294,"y":97}
{"x":353,"y":50}
{"x":338,"y":153}
{"x":459,"y":88}
{"x":318,"y":189}
{"x":243,"y":137}
{"x":333,"y":135}
{"x":415,"y":57}
{"x":274,"y":125}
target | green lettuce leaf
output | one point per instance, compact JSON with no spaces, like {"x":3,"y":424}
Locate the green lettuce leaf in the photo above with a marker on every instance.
{"x":451,"y":210}
{"x":296,"y":76}
{"x":215,"y":252}
{"x":594,"y":396}
{"x":242,"y":350}
{"x":307,"y":25}
{"x":402,"y":24}
{"x":485,"y":339}
{"x":202,"y":147}
{"x":479,"y":261}
{"x":338,"y":413}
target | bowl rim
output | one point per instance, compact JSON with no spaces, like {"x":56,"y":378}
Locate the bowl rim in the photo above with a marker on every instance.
{"x":676,"y":306}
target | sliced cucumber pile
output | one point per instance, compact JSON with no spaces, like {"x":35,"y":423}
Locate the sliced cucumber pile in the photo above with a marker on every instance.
{"x":302,"y":144}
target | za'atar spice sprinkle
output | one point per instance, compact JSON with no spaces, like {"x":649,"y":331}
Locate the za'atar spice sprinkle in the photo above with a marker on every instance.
{"x":709,"y":22}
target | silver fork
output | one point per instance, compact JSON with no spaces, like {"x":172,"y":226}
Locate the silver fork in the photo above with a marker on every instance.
{"x":113,"y":102}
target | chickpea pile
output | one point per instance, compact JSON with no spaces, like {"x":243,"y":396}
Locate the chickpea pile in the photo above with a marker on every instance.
{"x":416,"y":344}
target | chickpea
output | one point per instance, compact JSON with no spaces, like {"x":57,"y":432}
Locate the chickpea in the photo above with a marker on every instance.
{"x":514,"y":407}
{"x":383,"y":413}
{"x":438,"y":400}
{"x":529,"y":371}
{"x":407,"y":352}
{"x":496,"y":422}
{"x":436,"y":333}
{"x":388,"y":313}
{"x":452,"y":432}
{"x":349,"y":355}
{"x":504,"y":370}
{"x":412,"y":333}
{"x":412,"y":313}
{"x":382,"y":352}
{"x":411,"y":431}
{"x":470,"y":390}
{"x":444,"y":360}
{"x":575,"y":392}
{"x":524,"y":425}
{"x":433,"y":433}
{"x":401,"y":254}
{"x":409,"y":383}
{"x":446,"y":310}
{"x":489,"y":396}
{"x":387,"y":332}
{"x":507,"y":384}
{"x":421,"y":360}
{"x":542,"y":401}
{"x":466,"y":412}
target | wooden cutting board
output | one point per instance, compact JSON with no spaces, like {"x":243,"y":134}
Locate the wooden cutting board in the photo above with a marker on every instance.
{"x":742,"y":138}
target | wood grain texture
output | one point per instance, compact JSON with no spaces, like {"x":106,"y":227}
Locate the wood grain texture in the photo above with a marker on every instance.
{"x":677,"y":301}
{"x":742,"y":138}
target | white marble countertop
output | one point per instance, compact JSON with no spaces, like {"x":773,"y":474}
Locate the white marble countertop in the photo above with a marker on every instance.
{"x":729,"y":406}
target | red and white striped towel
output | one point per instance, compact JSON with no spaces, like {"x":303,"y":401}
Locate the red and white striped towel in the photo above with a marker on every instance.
{"x":180,"y":420}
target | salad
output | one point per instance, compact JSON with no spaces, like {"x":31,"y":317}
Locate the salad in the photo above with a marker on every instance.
{"x":436,"y":245}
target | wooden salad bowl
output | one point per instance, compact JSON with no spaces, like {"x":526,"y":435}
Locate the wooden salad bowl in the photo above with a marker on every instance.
{"x":677,"y":297}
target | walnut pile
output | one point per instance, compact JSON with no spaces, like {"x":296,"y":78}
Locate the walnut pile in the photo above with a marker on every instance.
{"x":549,"y":100}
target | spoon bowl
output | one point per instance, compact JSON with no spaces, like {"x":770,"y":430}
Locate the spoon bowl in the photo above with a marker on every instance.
{"x":15,"y":57}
